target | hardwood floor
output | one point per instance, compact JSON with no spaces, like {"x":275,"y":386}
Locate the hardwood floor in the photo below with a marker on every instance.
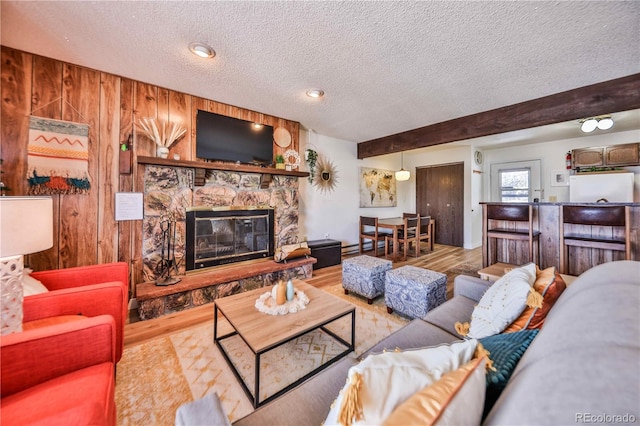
{"x":441,"y":259}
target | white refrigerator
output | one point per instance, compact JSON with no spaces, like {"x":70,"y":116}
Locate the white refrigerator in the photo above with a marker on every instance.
{"x":603,"y":187}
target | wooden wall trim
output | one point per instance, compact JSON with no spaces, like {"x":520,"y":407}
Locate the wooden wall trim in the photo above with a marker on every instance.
{"x":85,"y":230}
{"x":621,"y":94}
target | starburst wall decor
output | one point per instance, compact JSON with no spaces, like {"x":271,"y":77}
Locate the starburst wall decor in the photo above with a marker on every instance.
{"x":326,"y":177}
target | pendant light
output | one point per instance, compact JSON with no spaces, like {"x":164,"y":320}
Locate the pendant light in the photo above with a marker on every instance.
{"x":402,"y":174}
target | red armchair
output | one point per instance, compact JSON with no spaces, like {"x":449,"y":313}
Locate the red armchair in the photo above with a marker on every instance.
{"x":60,"y":375}
{"x":86,"y":290}
{"x":61,"y":368}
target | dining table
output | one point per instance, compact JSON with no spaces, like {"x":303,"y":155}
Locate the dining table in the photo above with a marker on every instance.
{"x":396,"y":225}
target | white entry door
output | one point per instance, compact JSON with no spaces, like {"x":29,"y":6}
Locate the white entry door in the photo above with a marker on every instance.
{"x":516,"y":182}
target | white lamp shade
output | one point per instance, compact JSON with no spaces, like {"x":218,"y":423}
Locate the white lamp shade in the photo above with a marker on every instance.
{"x":26,"y":225}
{"x":589,"y":125}
{"x":402,"y":175}
{"x":605,"y":124}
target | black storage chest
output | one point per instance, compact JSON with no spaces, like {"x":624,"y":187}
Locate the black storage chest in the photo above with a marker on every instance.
{"x":328,"y":252}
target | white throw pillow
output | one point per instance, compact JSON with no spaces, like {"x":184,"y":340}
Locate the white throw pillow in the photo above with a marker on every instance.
{"x":456,"y":399}
{"x":502,"y":303}
{"x":30,"y":285}
{"x":390,"y":378}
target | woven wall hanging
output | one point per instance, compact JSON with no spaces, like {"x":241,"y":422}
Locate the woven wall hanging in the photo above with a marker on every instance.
{"x":58,"y":157}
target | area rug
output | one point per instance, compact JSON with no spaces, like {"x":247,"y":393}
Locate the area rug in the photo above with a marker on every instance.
{"x":156,"y":377}
{"x":470,"y":269}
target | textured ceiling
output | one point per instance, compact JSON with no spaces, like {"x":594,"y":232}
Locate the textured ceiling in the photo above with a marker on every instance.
{"x":386,"y":67}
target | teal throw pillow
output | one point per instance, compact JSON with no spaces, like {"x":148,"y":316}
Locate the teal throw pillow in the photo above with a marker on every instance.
{"x":505,"y":350}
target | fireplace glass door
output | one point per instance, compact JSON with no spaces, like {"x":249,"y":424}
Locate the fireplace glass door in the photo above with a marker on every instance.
{"x":220,"y":237}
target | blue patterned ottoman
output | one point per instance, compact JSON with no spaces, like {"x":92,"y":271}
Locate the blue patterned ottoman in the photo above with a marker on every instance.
{"x":414,"y":291}
{"x":364,"y":275}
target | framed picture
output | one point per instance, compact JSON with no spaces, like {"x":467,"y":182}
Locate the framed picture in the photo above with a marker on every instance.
{"x":377,"y":188}
{"x":560,"y":178}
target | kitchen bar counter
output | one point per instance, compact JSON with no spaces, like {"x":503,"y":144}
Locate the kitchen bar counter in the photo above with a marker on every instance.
{"x":565,"y":203}
{"x":546,"y":219}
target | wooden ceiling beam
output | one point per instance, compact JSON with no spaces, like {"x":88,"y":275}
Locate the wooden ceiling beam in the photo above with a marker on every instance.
{"x":621,"y":94}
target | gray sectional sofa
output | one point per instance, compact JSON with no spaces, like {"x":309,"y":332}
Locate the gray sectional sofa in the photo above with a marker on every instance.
{"x":583,"y":366}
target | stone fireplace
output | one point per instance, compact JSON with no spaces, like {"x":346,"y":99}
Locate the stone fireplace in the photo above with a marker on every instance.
{"x":219,"y":236}
{"x":173,"y":193}
{"x":170,"y":191}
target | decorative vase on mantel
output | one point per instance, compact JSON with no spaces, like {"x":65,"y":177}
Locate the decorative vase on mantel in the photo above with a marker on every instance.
{"x":162,"y":152}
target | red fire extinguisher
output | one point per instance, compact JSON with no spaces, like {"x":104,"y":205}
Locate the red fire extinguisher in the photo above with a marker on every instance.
{"x":568,"y":160}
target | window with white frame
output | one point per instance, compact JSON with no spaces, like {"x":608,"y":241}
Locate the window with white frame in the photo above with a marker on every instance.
{"x":517,"y":181}
{"x":515,"y":185}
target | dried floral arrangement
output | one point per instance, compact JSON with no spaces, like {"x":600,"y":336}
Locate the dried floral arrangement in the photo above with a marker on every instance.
{"x":164,"y":133}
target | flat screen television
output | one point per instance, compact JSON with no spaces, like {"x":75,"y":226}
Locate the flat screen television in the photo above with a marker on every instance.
{"x":223,"y":138}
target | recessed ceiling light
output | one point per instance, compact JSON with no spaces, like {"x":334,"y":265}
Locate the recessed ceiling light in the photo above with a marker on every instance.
{"x":256,"y":125}
{"x":202,"y":50}
{"x":315,"y":93}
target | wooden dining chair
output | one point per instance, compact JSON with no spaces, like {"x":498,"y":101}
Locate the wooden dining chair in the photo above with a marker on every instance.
{"x":410,"y":234}
{"x":425,"y":232}
{"x":369,"y":231}
{"x":426,"y":228}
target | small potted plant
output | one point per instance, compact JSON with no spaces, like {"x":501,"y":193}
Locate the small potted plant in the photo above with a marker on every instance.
{"x":279,"y":161}
{"x":311,"y":157}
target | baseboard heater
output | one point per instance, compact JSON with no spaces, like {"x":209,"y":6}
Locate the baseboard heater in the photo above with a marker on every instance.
{"x":355,"y":248}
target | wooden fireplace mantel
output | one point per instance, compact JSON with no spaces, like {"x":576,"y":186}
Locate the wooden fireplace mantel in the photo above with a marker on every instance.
{"x":218,"y":165}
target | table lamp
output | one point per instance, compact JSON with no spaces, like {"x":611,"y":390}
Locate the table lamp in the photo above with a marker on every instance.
{"x":26,"y":226}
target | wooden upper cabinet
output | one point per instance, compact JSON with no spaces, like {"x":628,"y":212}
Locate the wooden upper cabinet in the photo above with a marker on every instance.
{"x":588,"y":157}
{"x":622,"y":155}
{"x":607,"y":156}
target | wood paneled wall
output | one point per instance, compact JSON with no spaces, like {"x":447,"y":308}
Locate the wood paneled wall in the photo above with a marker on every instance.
{"x":85,"y":230}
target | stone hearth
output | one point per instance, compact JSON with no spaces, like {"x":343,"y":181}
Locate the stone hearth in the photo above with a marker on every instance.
{"x":204,"y":287}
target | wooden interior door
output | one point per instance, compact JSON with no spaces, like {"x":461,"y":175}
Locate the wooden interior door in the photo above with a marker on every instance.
{"x":440,"y":194}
